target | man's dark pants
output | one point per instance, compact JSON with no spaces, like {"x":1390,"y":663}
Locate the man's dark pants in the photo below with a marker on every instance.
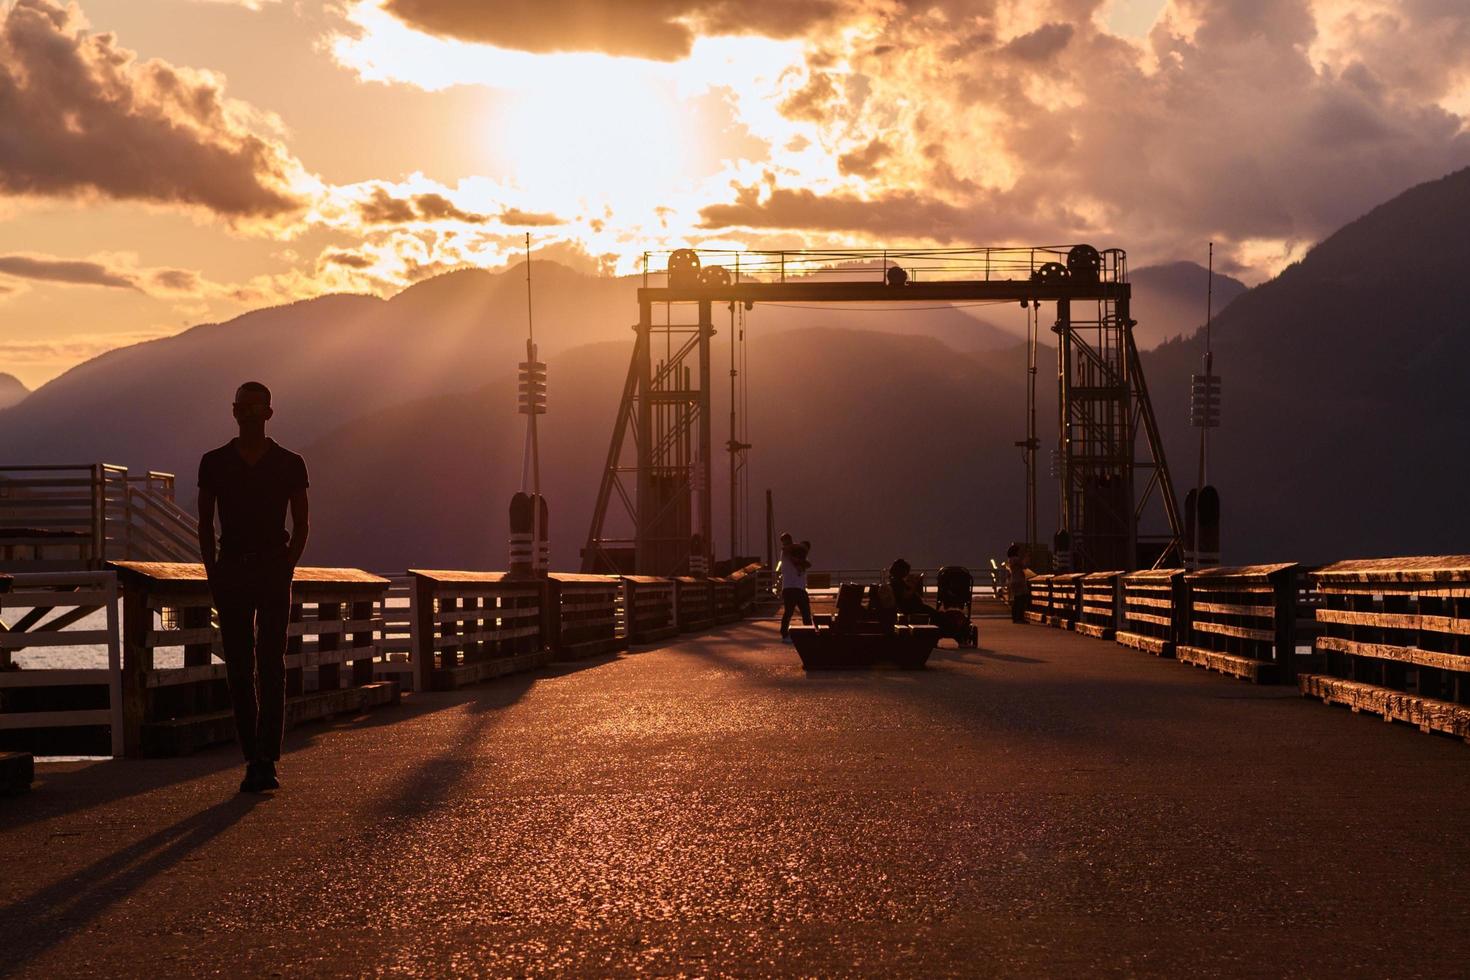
{"x":253,"y":597}
{"x":794,"y":599}
{"x":1018,"y":606}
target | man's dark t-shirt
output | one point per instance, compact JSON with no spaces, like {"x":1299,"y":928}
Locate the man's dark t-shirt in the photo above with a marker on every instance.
{"x":252,"y":500}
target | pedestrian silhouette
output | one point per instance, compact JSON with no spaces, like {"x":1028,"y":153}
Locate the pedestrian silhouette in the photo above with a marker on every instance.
{"x":252,"y":481}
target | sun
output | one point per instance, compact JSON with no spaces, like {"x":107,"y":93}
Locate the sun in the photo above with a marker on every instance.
{"x":600,"y":133}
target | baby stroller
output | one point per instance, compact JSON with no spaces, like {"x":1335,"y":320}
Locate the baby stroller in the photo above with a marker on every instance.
{"x":953,"y":587}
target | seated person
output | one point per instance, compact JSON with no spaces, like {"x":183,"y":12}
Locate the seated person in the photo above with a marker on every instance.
{"x":906,"y":591}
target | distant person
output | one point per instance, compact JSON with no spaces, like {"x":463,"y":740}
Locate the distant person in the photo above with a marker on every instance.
{"x":1018,"y":584}
{"x":791,"y":571}
{"x":907,"y":592}
{"x":252,"y":481}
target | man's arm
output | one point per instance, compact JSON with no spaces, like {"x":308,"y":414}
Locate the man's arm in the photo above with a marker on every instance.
{"x":300,"y":527}
{"x":206,"y":528}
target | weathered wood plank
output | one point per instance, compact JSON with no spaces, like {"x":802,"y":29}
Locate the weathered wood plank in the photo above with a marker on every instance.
{"x":1150,"y":644}
{"x":1389,"y":651}
{"x":1234,"y":609}
{"x":14,"y":720}
{"x":1425,"y":568}
{"x":1429,"y":714}
{"x":55,"y":677}
{"x":1255,"y":671}
{"x":1239,"y":632}
{"x":185,"y":735}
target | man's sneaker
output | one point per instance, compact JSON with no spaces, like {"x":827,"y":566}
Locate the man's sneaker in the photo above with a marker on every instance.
{"x":252,"y":782}
{"x":268,"y":778}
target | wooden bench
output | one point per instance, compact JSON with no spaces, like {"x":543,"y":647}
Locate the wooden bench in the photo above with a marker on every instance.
{"x":472,"y":626}
{"x":583,"y":615}
{"x":1097,"y":614}
{"x":1248,"y":621}
{"x":331,"y":642}
{"x":1155,"y":610}
{"x":1038,"y":610}
{"x":694,"y":606}
{"x":650,"y":608}
{"x":1394,"y":639}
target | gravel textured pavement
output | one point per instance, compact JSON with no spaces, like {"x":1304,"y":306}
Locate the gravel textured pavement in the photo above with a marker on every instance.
{"x":1046,"y":805}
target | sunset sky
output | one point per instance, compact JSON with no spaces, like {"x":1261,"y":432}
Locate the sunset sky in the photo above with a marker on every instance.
{"x":170,"y":162}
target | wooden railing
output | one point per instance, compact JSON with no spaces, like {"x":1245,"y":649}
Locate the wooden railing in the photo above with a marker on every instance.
{"x":175,"y":709}
{"x":1038,"y":600}
{"x":583,"y":614}
{"x":71,"y":517}
{"x":1098,"y":613}
{"x":650,"y":604}
{"x":694,"y":607}
{"x":1155,"y":613}
{"x":1248,"y":621}
{"x":726,"y":608}
{"x":1066,"y":599}
{"x":395,"y":634}
{"x":60,"y":711}
{"x":469,"y":626}
{"x":1395,"y":640}
{"x":747,"y":582}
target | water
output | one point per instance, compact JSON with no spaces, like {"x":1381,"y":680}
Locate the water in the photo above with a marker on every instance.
{"x":81,"y":656}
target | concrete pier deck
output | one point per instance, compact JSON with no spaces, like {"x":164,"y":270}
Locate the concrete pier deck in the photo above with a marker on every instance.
{"x":1048,"y":804}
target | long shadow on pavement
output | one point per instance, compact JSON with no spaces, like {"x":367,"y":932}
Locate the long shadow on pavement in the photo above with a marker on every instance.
{"x":39,"y":921}
{"x":66,"y":792}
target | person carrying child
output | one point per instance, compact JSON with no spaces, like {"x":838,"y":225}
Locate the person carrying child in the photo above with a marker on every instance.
{"x":791,"y":572}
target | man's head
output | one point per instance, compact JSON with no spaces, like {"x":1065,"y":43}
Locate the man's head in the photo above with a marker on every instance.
{"x":253,"y":404}
{"x":785,"y":539}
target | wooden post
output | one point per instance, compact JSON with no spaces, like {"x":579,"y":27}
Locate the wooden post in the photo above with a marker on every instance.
{"x":1285,"y":622}
{"x":446,"y":630}
{"x":362,"y":667}
{"x":421,"y":631}
{"x":328,"y":676}
{"x":99,"y":518}
{"x":197,"y":655}
{"x":114,"y":669}
{"x":294,"y":685}
{"x":551,"y":619}
{"x":136,"y":663}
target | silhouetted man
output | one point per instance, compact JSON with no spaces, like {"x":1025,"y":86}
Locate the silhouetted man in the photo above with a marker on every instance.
{"x":253,"y":480}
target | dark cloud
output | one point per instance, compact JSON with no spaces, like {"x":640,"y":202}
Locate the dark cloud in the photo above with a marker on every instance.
{"x":515,"y":216}
{"x":74,"y":272}
{"x":437,"y":206}
{"x":1260,"y":123}
{"x":864,"y":162}
{"x":812,"y":101}
{"x":385,"y":209}
{"x":903,"y":213}
{"x":82,"y":116}
{"x":657,"y":29}
{"x":175,"y":280}
{"x":1045,"y":42}
{"x":351,"y":260}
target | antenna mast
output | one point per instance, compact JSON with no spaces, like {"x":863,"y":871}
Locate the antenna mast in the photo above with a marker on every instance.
{"x":532,"y":404}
